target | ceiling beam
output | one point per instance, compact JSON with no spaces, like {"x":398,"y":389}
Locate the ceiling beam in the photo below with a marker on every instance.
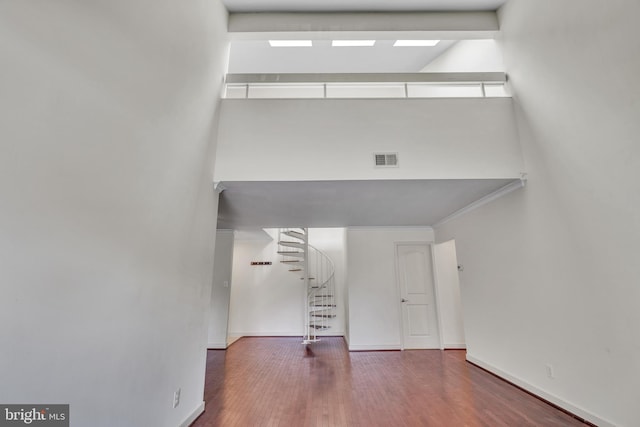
{"x":363,"y":25}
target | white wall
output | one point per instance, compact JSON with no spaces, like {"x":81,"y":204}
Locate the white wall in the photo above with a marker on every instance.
{"x":334,"y":139}
{"x":270,"y":300}
{"x":221,"y":290}
{"x":374,"y":312}
{"x":265,"y":299}
{"x":449,"y":301}
{"x":107,"y":211}
{"x":551,"y":270}
{"x":468,"y":56}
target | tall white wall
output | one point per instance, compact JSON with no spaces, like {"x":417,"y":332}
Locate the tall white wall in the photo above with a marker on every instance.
{"x":550,"y":272}
{"x":269,"y":300}
{"x":107,"y":213}
{"x":221,"y":290}
{"x":334,"y":139}
{"x":448,"y":286}
{"x":374,"y":312}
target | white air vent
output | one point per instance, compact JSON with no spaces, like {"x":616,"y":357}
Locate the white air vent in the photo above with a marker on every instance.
{"x":385,"y":160}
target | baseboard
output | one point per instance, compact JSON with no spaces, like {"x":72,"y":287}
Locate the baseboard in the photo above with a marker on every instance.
{"x":550,"y":398}
{"x":373,"y":347}
{"x":266,"y":334}
{"x":194,"y":415}
{"x":332,"y":333}
{"x":458,"y":346}
{"x":237,"y":335}
{"x":232,"y":339}
{"x":217,"y":346}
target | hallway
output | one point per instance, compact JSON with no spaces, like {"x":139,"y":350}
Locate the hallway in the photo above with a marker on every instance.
{"x":272,"y":382}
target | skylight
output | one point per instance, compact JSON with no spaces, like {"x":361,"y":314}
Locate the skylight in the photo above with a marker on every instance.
{"x":352,"y":43}
{"x":415,"y":43}
{"x":290,"y":43}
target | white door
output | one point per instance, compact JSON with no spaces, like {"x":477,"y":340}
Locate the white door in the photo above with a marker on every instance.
{"x":417,"y":293}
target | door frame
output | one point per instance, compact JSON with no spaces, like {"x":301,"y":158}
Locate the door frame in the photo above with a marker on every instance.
{"x":436,"y":294}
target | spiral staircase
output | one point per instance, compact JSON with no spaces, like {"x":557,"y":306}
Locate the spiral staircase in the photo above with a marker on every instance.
{"x":318,"y":273}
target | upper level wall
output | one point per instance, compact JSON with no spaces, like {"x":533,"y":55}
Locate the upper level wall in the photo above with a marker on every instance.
{"x":468,"y":56}
{"x":333,"y":139}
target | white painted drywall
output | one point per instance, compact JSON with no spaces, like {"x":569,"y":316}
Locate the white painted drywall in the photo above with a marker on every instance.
{"x":374,"y":312}
{"x":468,"y":56}
{"x":550,"y":271}
{"x":269,"y":300}
{"x":449,"y":302}
{"x":107,"y":214}
{"x":265,"y":299}
{"x":221,"y":291}
{"x":334,"y":139}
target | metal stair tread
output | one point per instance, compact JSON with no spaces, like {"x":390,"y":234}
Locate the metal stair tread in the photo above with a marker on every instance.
{"x":292,"y":253}
{"x":317,"y":309}
{"x":291,"y":244}
{"x":295,"y":235}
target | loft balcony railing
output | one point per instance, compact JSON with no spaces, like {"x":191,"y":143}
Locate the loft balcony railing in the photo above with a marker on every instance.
{"x":366,"y":85}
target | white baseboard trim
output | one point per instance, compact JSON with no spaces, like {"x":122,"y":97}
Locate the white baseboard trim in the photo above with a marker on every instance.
{"x":455,"y":346}
{"x":195,"y":414}
{"x":328,"y":333}
{"x":232,"y":339}
{"x":217,"y":346}
{"x":567,"y":406}
{"x":266,"y":334}
{"x":373,"y":347}
{"x":331,"y":333}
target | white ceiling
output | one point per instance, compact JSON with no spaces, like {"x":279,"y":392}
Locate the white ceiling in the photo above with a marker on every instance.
{"x":347,"y":203}
{"x":256,"y":56}
{"x":360,"y":5}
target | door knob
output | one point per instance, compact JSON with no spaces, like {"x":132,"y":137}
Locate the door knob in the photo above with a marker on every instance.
{"x":404,"y":300}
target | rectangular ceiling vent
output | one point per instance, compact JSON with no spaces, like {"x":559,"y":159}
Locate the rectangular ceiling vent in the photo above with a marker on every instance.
{"x":385,"y":160}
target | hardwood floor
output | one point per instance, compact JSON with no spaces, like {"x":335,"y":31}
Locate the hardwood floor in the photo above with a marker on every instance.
{"x":275,"y":382}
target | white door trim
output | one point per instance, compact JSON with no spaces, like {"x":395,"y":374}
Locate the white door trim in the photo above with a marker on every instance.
{"x":436,"y":287}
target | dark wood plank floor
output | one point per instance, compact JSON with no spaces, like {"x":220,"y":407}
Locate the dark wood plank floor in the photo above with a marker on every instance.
{"x":275,"y":382}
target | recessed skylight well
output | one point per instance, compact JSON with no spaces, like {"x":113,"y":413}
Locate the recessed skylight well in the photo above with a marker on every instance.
{"x":352,"y":43}
{"x":415,"y":43}
{"x":290,"y":43}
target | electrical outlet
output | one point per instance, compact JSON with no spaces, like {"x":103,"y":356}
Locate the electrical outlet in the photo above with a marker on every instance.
{"x":550,"y":372}
{"x":176,"y":398}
